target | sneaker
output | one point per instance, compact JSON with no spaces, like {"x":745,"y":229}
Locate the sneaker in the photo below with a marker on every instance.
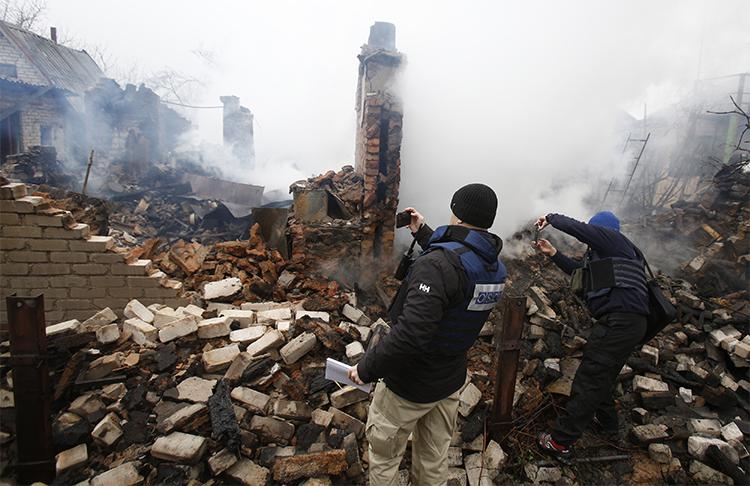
{"x":607,"y":435}
{"x":549,"y":447}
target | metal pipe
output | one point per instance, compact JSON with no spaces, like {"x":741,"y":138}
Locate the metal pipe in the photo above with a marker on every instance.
{"x":509,"y":348}
{"x":31,"y":389}
{"x":88,"y":170}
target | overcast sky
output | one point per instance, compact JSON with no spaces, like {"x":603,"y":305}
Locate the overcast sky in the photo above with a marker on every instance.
{"x":518,"y":95}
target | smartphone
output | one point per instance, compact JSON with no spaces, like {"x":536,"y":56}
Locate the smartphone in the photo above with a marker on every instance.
{"x":403,"y":219}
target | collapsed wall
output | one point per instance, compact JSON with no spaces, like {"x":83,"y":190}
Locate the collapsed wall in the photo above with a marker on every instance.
{"x":44,"y":250}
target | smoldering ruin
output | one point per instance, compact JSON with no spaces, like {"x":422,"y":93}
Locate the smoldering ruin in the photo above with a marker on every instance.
{"x":164,"y":325}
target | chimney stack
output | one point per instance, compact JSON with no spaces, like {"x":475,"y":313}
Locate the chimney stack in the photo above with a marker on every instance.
{"x":53,"y":34}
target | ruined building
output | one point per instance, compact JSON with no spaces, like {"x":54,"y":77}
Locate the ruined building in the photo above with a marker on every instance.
{"x":238,"y":131}
{"x":364,"y":197}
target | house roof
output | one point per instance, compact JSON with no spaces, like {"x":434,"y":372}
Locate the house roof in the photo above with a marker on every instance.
{"x":59,"y":66}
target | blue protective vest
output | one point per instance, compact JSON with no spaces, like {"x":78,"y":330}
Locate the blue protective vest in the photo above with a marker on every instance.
{"x":460,"y":325}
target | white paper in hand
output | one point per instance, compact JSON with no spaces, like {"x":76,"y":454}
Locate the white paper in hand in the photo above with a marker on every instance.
{"x":338,"y":371}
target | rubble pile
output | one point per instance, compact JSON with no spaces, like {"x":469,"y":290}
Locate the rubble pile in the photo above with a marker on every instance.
{"x":37,"y":166}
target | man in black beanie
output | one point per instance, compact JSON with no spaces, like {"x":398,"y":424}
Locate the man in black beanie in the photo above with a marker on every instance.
{"x":436,"y":316}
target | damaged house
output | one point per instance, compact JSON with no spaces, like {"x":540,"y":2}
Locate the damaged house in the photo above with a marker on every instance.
{"x":178,"y":354}
{"x":42,"y":94}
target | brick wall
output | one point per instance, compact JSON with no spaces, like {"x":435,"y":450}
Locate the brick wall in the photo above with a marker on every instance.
{"x":44,"y":250}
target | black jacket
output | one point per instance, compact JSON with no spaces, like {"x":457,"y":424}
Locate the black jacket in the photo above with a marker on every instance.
{"x":604,"y":242}
{"x":400,"y":358}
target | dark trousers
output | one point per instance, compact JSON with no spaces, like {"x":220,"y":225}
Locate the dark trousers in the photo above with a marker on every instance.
{"x":609,"y":346}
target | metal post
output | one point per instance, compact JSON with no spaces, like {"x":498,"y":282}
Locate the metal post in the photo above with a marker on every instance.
{"x":509,"y":348}
{"x":31,"y":389}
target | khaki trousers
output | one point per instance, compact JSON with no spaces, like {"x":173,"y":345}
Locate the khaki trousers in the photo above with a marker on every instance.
{"x":390,"y":421}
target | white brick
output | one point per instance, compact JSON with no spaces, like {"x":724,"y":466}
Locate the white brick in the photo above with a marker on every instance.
{"x":270,"y":340}
{"x":195,"y":389}
{"x":269,"y":317}
{"x":697,"y":447}
{"x":212,"y":328}
{"x":124,"y":475}
{"x":191,"y":310}
{"x":255,"y":401}
{"x":165,"y":315}
{"x":180,"y":447}
{"x":141,"y":330}
{"x":73,"y":325}
{"x":354,"y":351}
{"x":177,"y":329}
{"x":71,"y":459}
{"x":298,"y":347}
{"x":246,"y":318}
{"x":107,"y":431}
{"x":135,"y":309}
{"x":650,"y":354}
{"x":248,"y":334}
{"x":220,"y":358}
{"x":101,"y":318}
{"x":705,"y":427}
{"x":108,"y":334}
{"x":642,"y":383}
{"x":469,"y":399}
{"x":731,"y":433}
{"x":222,"y":289}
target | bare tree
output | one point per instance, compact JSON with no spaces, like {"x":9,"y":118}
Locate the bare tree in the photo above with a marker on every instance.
{"x":25,"y":13}
{"x":175,"y":86}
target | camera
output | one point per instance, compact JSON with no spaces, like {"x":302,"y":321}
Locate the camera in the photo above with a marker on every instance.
{"x":403,"y":219}
{"x":404,"y":264}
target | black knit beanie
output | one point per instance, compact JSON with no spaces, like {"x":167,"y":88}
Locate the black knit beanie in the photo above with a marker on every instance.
{"x":475,"y":204}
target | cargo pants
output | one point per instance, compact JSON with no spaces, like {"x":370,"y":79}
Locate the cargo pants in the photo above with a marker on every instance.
{"x":612,"y":340}
{"x":392,"y":419}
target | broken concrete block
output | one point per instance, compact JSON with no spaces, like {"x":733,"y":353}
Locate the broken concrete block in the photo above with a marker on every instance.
{"x":220,"y":358}
{"x":697,"y":447}
{"x":180,"y":447}
{"x":255,"y":401}
{"x":648,"y":434}
{"x":355,"y":315}
{"x":107,"y":431}
{"x":321,"y":417}
{"x":73,"y":458}
{"x":247,"y":335}
{"x":247,"y":472}
{"x":177,"y":329}
{"x":291,"y":410}
{"x":108,"y":334}
{"x":195,"y":389}
{"x":72,"y":326}
{"x":246,"y":318}
{"x":642,"y":383}
{"x":660,"y":453}
{"x":136,"y":310}
{"x":181,"y":416}
{"x":270,"y":316}
{"x":221,"y":461}
{"x":164,"y":316}
{"x":140,"y":330}
{"x":13,"y":191}
{"x":650,"y":354}
{"x":742,"y":350}
{"x":323,"y":316}
{"x":114,"y":392}
{"x":271,"y":429}
{"x":354,"y":352}
{"x":101,"y":367}
{"x":298,"y":347}
{"x":689,"y":299}
{"x":191,"y":310}
{"x":215,"y":327}
{"x":707,"y":475}
{"x":346,"y":422}
{"x":124,"y":475}
{"x":86,"y":404}
{"x":223,"y":289}
{"x":455,"y":456}
{"x":704,"y":427}
{"x":101,"y":318}
{"x":469,"y":399}
{"x":238,"y":366}
{"x":732,"y":433}
{"x":686,"y":394}
{"x":347,"y":396}
{"x":270,"y":340}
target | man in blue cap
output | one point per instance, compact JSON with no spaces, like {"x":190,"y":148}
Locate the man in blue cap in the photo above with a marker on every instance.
{"x":616,"y":296}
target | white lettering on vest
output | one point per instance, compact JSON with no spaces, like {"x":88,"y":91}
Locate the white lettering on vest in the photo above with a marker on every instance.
{"x":424,"y":288}
{"x":485,"y":296}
